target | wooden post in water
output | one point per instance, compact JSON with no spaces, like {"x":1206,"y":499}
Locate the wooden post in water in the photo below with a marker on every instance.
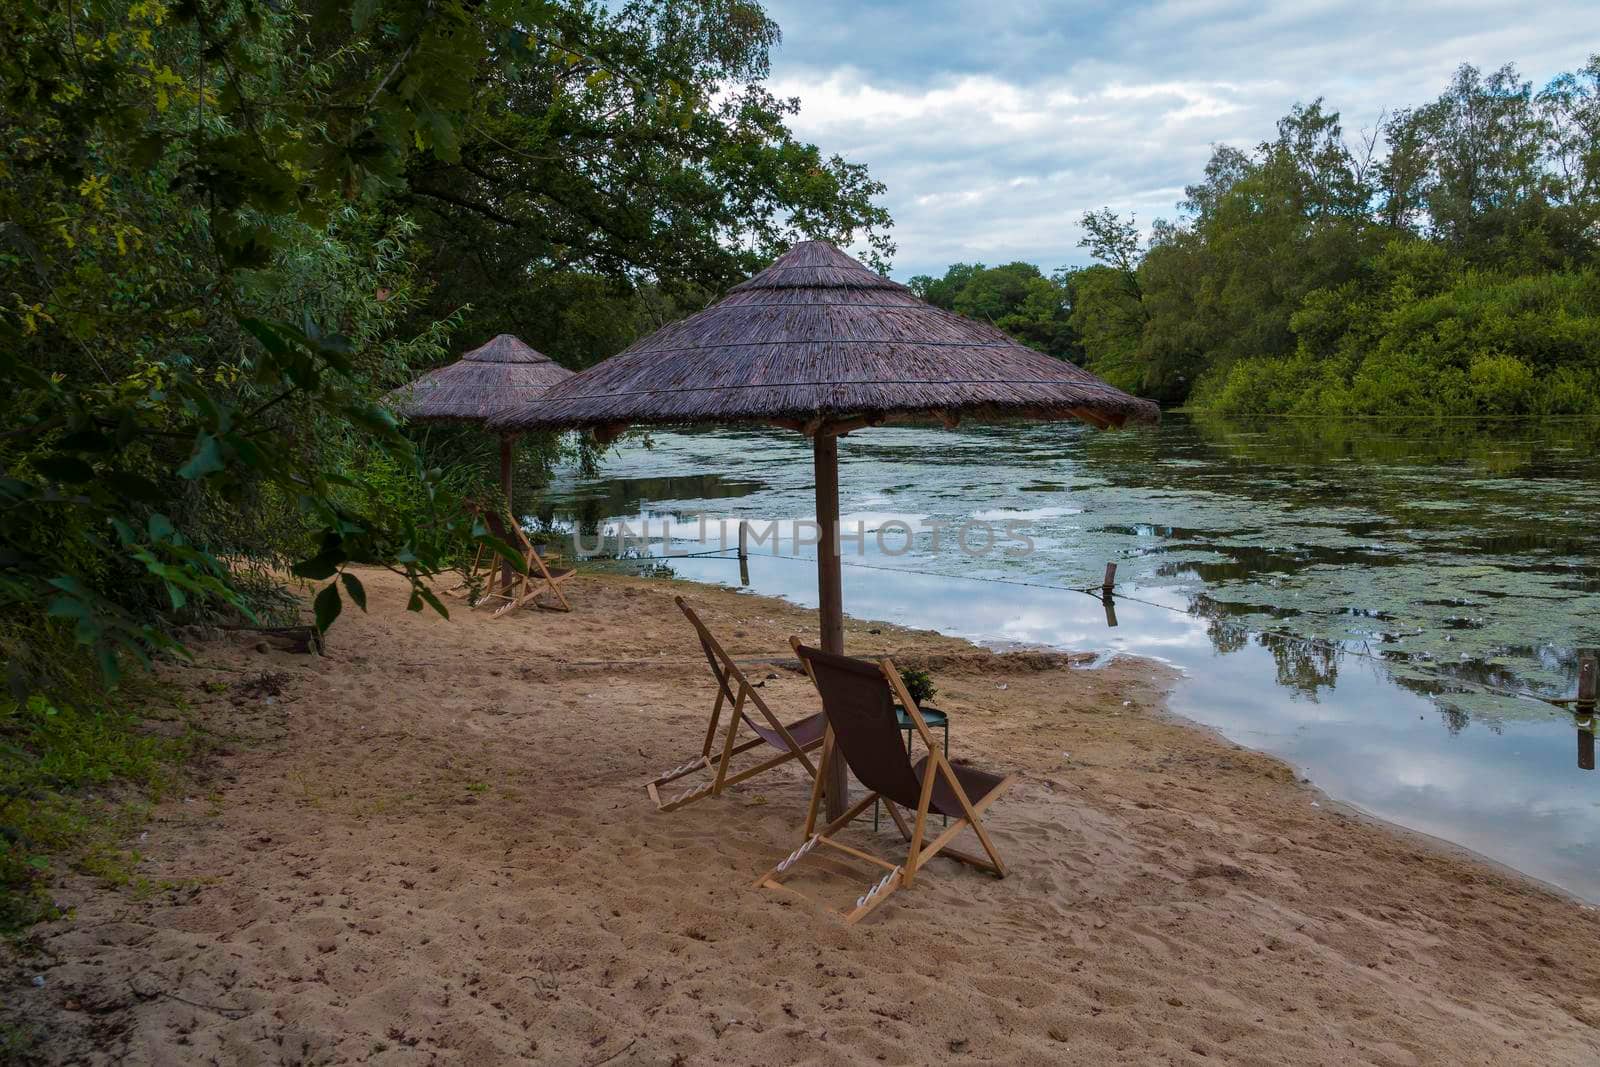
{"x":830,"y":589}
{"x":1584,"y":710}
{"x":1107,"y":594}
{"x":744,"y":552}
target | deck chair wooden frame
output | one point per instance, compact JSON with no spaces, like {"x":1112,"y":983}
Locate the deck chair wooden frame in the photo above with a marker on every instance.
{"x":897,"y":875}
{"x":483,"y":554}
{"x":531,"y":583}
{"x":733,"y":691}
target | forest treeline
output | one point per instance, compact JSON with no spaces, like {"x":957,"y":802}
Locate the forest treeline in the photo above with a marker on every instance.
{"x":1441,"y":263}
{"x":227,"y":227}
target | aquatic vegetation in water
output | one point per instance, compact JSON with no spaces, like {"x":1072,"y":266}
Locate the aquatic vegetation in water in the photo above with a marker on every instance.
{"x":1429,"y":546}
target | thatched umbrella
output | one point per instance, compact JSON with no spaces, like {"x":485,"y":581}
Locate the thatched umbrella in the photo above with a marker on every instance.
{"x":819,"y":344}
{"x":488,"y":379}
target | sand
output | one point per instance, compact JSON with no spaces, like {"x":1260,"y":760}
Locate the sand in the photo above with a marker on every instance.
{"x":433,"y":845}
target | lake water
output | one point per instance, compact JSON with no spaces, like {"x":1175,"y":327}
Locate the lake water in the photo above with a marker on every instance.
{"x":1344,"y":595}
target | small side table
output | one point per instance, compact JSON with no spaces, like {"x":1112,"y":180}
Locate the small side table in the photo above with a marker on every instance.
{"x":936,"y":720}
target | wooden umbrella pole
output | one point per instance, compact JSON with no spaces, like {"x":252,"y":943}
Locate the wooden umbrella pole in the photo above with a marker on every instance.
{"x":507,"y":440}
{"x":507,"y":443}
{"x":825,"y":450}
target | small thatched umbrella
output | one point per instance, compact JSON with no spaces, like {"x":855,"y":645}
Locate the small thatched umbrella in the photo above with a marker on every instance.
{"x":488,"y":379}
{"x":819,"y":344}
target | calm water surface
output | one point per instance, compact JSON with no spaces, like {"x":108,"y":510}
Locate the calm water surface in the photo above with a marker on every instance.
{"x":1338,"y":594}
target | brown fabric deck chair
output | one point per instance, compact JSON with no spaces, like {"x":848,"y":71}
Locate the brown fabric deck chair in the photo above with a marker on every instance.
{"x":512,"y":588}
{"x":858,"y":697}
{"x":734,"y":689}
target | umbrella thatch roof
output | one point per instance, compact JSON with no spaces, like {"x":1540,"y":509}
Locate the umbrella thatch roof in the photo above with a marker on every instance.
{"x":502,"y":373}
{"x":817,"y":336}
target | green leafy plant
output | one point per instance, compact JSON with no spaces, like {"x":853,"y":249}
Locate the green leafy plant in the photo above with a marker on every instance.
{"x":920,"y":685}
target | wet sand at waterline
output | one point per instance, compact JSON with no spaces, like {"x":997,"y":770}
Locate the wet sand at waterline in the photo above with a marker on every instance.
{"x":433,"y":845}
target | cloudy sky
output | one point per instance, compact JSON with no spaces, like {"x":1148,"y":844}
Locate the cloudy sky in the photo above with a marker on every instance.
{"x":997,"y":124}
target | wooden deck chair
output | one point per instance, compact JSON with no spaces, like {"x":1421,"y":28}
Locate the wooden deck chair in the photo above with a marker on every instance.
{"x":512,"y":588}
{"x":735,"y":691}
{"x":859,"y":697}
{"x":552,"y":577}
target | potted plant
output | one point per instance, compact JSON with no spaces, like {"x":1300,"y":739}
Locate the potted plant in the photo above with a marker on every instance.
{"x":919,"y":685}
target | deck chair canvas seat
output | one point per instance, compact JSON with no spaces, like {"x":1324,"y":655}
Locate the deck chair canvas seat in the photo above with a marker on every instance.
{"x":552,"y":577}
{"x":977,"y":784}
{"x":734,"y":692}
{"x":807,"y":732}
{"x":859,"y":698}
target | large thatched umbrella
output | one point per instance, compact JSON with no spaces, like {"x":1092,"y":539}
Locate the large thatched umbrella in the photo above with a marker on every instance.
{"x":502,"y":373}
{"x":819,"y":344}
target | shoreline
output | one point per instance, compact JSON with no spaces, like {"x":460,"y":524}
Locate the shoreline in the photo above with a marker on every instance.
{"x":1091,"y":660}
{"x":1443,"y":845}
{"x":1392,"y":819}
{"x":437,"y":841}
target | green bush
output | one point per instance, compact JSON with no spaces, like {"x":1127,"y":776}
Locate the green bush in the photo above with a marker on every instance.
{"x":1503,"y":385}
{"x":1419,"y":338}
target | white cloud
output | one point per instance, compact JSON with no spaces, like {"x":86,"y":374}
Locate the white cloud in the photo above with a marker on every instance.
{"x":979,"y":167}
{"x":997,"y":126}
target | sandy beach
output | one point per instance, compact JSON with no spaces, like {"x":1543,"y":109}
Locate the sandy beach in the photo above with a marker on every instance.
{"x":433,"y":845}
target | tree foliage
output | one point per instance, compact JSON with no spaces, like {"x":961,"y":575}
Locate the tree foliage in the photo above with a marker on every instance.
{"x":608,"y":192}
{"x":229,"y":225}
{"x":1443,"y":262}
{"x":1016,"y":297}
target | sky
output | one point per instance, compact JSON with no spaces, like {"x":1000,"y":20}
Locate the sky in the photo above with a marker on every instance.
{"x":997,"y":124}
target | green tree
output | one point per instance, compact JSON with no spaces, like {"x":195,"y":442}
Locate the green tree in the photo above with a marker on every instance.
{"x":1108,"y":308}
{"x":941,"y":292}
{"x":229,"y":224}
{"x":1426,"y":334}
{"x":1570,"y":108}
{"x":650,"y":167}
{"x":1260,"y":230}
{"x":1485,"y":138}
{"x":1016,"y":297}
